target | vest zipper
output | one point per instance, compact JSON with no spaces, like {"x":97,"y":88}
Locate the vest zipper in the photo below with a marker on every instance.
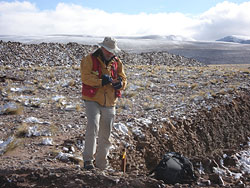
{"x":105,"y":93}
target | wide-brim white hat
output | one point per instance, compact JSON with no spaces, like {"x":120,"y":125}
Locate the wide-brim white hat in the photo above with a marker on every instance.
{"x":110,"y":44}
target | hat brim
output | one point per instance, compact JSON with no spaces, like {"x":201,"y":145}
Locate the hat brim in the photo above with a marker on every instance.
{"x":116,"y":50}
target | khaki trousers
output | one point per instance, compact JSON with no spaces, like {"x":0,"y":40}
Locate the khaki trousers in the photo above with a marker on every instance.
{"x":100,"y":121}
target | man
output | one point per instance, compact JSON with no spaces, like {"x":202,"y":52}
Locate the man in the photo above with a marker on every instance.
{"x":103,"y":78}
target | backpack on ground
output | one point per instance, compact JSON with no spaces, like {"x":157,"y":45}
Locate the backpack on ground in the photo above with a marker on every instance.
{"x":174,"y":168}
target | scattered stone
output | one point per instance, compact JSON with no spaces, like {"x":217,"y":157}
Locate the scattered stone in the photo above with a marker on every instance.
{"x":172,"y":103}
{"x":47,"y":141}
{"x":4,"y":145}
{"x":10,"y":108}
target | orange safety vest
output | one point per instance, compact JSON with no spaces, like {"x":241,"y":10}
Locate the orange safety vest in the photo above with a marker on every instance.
{"x":90,"y":91}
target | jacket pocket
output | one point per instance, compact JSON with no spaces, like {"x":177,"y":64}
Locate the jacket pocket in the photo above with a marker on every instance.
{"x":88,"y":91}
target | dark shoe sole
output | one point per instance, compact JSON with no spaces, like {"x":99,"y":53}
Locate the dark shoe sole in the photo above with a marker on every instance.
{"x":88,"y":167}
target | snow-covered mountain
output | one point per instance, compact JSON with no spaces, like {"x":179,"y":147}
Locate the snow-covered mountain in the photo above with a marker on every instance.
{"x":87,"y":39}
{"x":236,"y":39}
{"x":209,"y":52}
{"x":159,"y":37}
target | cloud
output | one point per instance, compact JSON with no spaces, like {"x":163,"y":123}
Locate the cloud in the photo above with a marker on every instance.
{"x":224,"y":19}
{"x":24,"y":18}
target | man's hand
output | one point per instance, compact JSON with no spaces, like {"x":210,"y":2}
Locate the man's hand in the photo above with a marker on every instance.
{"x":117,"y":84}
{"x":106,"y":79}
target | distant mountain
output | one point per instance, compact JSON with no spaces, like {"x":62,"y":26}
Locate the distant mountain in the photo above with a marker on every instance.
{"x":224,"y":51}
{"x":236,"y":39}
{"x":158,"y":37}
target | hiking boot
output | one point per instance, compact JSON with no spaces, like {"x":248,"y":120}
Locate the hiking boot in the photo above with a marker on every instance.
{"x":88,"y":165}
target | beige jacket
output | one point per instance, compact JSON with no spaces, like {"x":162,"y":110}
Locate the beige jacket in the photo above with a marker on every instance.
{"x":105,"y":95}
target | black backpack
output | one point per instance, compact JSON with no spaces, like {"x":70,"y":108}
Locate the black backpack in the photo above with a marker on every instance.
{"x":174,"y":168}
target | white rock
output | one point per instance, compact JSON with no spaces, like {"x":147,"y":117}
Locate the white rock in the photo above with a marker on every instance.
{"x":5,"y":144}
{"x":9,"y":107}
{"x":33,"y":131}
{"x":35,"y":120}
{"x":121,"y":128}
{"x":65,"y":149}
{"x":47,"y":141}
{"x":57,"y":98}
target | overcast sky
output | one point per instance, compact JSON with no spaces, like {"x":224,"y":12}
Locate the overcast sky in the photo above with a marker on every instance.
{"x":197,"y":19}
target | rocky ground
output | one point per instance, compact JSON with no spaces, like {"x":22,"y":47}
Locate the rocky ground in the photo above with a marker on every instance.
{"x":172,"y":103}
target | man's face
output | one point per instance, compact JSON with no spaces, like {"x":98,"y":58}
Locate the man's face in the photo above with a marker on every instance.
{"x":108,"y":55}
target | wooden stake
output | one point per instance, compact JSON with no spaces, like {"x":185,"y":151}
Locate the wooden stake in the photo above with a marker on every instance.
{"x":124,"y":158}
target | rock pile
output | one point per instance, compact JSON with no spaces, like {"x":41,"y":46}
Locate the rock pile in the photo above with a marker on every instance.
{"x":172,"y":103}
{"x":56,"y":54}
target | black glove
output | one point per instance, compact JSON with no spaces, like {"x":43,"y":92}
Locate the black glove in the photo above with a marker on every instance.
{"x":106,"y":79}
{"x":118,"y":85}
